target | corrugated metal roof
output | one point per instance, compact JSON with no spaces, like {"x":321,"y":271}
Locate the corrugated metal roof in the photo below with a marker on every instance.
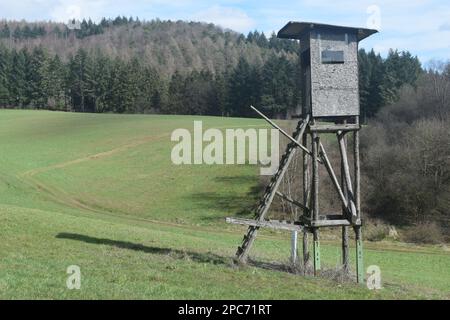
{"x":294,"y":30}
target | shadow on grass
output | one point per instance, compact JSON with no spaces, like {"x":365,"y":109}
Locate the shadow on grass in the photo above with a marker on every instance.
{"x":237,"y":179}
{"x":234,"y":203}
{"x":208,"y":257}
{"x":336,"y":274}
{"x":272,"y":266}
{"x":177,"y":254}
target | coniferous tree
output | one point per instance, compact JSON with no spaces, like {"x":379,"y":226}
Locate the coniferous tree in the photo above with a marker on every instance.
{"x":371,"y":79}
{"x":53,"y":83}
{"x":100,"y":83}
{"x":399,"y":69}
{"x":244,"y":89}
{"x":175,"y":103}
{"x":17,"y":78}
{"x":5,"y":32}
{"x":278,"y":86}
{"x":4,"y":70}
{"x":79,"y":77}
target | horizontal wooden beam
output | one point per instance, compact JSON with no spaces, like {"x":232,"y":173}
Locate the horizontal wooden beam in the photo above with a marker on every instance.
{"x":333,"y":128}
{"x":330,"y":223}
{"x":330,"y":220}
{"x":273,"y":224}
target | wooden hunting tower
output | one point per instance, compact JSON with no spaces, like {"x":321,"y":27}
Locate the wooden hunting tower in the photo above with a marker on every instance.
{"x":330,"y":105}
{"x":329,"y":63}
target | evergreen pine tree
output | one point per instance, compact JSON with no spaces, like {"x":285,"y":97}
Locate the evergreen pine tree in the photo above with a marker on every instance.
{"x":17,"y":78}
{"x":4,"y":69}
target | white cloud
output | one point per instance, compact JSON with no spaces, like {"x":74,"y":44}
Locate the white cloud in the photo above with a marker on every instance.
{"x":65,"y":10}
{"x":226,"y":17}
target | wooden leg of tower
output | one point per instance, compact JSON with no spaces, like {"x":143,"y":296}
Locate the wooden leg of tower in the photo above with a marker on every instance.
{"x":316,"y":251}
{"x":345,"y":244}
{"x":358,"y":229}
{"x":306,"y":192}
{"x":305,"y":251}
{"x":359,"y":255}
{"x":315,"y":206}
{"x":345,"y":249}
{"x":357,"y":168}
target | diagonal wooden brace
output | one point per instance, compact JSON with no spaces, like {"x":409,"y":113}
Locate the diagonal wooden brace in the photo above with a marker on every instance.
{"x":294,"y":202}
{"x":284,"y":133}
{"x":333,"y":177}
{"x":348,"y":180}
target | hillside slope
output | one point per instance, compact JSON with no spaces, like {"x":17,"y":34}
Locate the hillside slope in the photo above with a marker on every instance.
{"x":166,"y":46}
{"x":100,"y":192}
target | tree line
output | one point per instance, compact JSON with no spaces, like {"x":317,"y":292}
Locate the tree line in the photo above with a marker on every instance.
{"x":85,"y":28}
{"x":97,"y":83}
{"x":91,"y":81}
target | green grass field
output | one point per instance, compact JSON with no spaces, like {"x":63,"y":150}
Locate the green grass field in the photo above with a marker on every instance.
{"x":100,"y":192}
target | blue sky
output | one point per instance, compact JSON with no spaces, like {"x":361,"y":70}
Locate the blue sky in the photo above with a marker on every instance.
{"x":420,"y":26}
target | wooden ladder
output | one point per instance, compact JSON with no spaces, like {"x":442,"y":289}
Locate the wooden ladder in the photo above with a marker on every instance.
{"x":270,"y":192}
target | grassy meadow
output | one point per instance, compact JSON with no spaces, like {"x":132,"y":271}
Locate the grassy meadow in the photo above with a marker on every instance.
{"x":100,"y":192}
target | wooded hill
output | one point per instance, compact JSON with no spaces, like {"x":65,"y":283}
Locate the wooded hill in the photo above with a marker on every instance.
{"x":166,"y":46}
{"x":127,"y":65}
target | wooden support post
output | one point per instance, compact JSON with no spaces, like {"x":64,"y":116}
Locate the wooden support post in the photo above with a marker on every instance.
{"x":358,"y":229}
{"x":357,"y":172}
{"x":306,"y":195}
{"x":359,"y":255}
{"x":345,"y":249}
{"x":305,"y":251}
{"x":315,"y":197}
{"x":315,"y":176}
{"x":345,"y":244}
{"x":316,"y":251}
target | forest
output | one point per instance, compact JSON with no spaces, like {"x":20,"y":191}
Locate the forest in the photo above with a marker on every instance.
{"x":171,"y":68}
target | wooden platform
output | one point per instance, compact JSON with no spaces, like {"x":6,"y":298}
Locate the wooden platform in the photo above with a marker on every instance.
{"x":273,"y":224}
{"x":325,"y":221}
{"x":332,"y":128}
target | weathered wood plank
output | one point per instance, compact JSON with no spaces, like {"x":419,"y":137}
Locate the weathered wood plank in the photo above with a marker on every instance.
{"x":306,"y":200}
{"x":345,"y":213}
{"x":333,"y":128}
{"x":330,"y":223}
{"x":273,"y":224}
{"x":357,"y":172}
{"x":315,"y":175}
